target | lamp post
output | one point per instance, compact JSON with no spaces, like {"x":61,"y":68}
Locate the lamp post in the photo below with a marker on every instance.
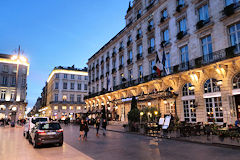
{"x":141,"y":114}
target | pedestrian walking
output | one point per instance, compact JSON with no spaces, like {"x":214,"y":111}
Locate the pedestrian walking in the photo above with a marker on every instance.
{"x":104,"y":126}
{"x":86,"y":129}
{"x":97,"y":126}
{"x":82,"y":128}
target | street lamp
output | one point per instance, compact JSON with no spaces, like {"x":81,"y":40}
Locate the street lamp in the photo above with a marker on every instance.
{"x":156,"y":113}
{"x":141,"y":114}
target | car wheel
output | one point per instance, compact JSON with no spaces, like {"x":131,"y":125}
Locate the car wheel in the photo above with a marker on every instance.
{"x":29,"y":139}
{"x":35,"y":144}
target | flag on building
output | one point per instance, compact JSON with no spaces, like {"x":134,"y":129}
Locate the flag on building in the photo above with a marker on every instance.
{"x":157,"y":65}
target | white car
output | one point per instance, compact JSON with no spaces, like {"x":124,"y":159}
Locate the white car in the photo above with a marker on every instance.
{"x":30,"y":123}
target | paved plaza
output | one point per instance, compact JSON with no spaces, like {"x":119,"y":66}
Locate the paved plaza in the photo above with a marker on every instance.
{"x":117,"y":146}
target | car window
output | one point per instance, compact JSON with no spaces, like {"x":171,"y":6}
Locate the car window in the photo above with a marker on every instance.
{"x":35,"y":120}
{"x":49,"y":126}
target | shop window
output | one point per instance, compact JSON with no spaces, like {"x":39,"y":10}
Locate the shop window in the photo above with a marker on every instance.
{"x":211,"y":86}
{"x":214,"y":109}
{"x":189,"y":110}
{"x":236,"y":81}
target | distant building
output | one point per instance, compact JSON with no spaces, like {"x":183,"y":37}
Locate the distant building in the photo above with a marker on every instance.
{"x":36,"y":107}
{"x":13,"y":86}
{"x":62,"y":97}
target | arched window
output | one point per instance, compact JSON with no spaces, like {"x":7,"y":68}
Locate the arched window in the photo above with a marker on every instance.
{"x":236,"y":81}
{"x":211,"y":86}
{"x":188,"y":89}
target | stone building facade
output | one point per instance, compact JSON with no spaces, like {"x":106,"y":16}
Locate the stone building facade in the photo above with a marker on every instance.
{"x":13,"y":86}
{"x":64,"y":93}
{"x":197,"y":42}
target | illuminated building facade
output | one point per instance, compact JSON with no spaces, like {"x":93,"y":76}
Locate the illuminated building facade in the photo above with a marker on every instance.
{"x":62,"y":97}
{"x":197,"y":42}
{"x":13,"y":86}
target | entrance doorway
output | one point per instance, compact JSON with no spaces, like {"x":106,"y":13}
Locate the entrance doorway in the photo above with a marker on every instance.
{"x":237,"y":101}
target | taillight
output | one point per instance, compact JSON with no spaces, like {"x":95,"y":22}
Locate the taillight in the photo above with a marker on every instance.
{"x":60,"y":130}
{"x":40,"y":132}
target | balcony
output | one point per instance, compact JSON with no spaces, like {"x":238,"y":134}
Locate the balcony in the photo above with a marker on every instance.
{"x":179,"y":8}
{"x":139,"y":56}
{"x":202,"y":23}
{"x":150,"y":28}
{"x":181,"y":34}
{"x":114,"y":70}
{"x":113,"y":54}
{"x":150,"y":50}
{"x":120,"y":66}
{"x":224,"y":54}
{"x":120,"y":49}
{"x":129,"y":43}
{"x":139,"y":15}
{"x":138,"y":36}
{"x":129,"y":61}
{"x":107,"y":58}
{"x":230,"y":9}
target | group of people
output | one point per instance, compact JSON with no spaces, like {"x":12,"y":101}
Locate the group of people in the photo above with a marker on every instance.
{"x":84,"y":128}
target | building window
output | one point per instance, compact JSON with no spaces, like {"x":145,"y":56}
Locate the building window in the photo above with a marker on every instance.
{"x":140,"y":72}
{"x":5,"y":68}
{"x":121,"y":60}
{"x":3,"y":94}
{"x":65,"y":76}
{"x":121,"y":44}
{"x":211,"y":86}
{"x":72,"y":76}
{"x":78,"y":108}
{"x":150,"y":25}
{"x":56,"y":85}
{"x":207,"y":49}
{"x":236,"y":81}
{"x":130,"y":76}
{"x":64,"y":98}
{"x":214,"y":109}
{"x":97,"y":88}
{"x":64,"y":85}
{"x":71,"y":108}
{"x":79,"y":86}
{"x":189,"y":110}
{"x":234,"y":32}
{"x":164,"y":14}
{"x":102,"y":85}
{"x":12,"y":95}
{"x":85,"y":87}
{"x":180,"y":2}
{"x":56,"y":75}
{"x":152,"y":43}
{"x":13,"y":81}
{"x":188,"y":89}
{"x":165,"y":35}
{"x":56,"y":97}
{"x":182,"y":25}
{"x":79,"y":98}
{"x":4,"y":80}
{"x":228,"y":2}
{"x":72,"y":86}
{"x":169,"y":108}
{"x":79,"y":77}
{"x":152,"y":64}
{"x":121,"y":77}
{"x":55,"y":107}
{"x":23,"y":80}
{"x":167,"y":62}
{"x":203,"y":13}
{"x":184,"y":57}
{"x":64,"y":107}
{"x":130,"y":56}
{"x":139,"y":32}
{"x":114,"y":63}
{"x":140,"y":50}
{"x":72,"y":97}
{"x":86,"y":77}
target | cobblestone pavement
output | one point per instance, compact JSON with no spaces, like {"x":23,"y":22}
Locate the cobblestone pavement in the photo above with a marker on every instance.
{"x":123,"y":146}
{"x":13,"y":146}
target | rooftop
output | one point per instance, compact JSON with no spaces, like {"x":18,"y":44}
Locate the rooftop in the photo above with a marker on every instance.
{"x":71,"y":68}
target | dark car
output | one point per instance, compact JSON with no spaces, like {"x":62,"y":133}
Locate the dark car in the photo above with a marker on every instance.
{"x":46,"y":133}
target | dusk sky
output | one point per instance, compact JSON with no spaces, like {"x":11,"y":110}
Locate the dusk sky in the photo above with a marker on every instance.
{"x":57,"y":32}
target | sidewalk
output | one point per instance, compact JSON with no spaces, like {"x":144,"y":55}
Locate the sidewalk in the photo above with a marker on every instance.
{"x":13,"y":146}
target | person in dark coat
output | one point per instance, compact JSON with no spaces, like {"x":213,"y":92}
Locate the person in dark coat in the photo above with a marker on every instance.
{"x":86,"y":129}
{"x":97,"y":126}
{"x":82,"y":129}
{"x":104,"y":126}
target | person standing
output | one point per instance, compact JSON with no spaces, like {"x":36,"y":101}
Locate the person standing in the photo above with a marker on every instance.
{"x":104,"y":126}
{"x":86,"y":129}
{"x":97,"y":126}
{"x":82,"y":129}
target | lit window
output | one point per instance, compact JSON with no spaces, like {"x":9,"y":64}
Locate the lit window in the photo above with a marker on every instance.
{"x":64,"y":97}
{"x":64,"y":107}
{"x":55,"y":107}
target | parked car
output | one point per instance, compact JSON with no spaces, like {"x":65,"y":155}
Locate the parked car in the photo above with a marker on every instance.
{"x":46,"y":133}
{"x":30,"y":123}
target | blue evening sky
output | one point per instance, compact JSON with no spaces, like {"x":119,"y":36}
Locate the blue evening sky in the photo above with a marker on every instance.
{"x":57,"y":32}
